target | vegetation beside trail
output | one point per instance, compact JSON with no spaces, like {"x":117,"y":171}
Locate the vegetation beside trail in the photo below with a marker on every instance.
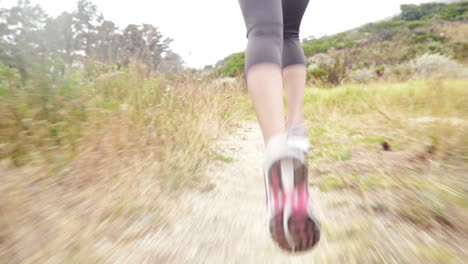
{"x":115,"y":149}
{"x":401,"y":150}
{"x":409,"y":139}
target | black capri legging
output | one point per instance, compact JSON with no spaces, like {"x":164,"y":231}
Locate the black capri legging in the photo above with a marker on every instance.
{"x":273,"y":31}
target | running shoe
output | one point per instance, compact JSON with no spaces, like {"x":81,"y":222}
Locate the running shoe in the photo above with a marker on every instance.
{"x":292,"y":224}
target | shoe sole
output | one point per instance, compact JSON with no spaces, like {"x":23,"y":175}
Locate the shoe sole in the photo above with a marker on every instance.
{"x":304,"y":232}
{"x":295,"y":229}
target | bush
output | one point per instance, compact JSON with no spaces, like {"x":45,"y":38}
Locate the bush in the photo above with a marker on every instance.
{"x":317,"y":46}
{"x":10,"y":78}
{"x":417,"y":24}
{"x":423,"y":11}
{"x":437,"y":65}
{"x":335,"y":66}
{"x":410,"y":53}
{"x":323,"y":45}
{"x":368,"y":74}
{"x":317,"y":73}
{"x":44,"y":113}
{"x":232,"y":65}
{"x":410,"y":12}
{"x":426,"y":37}
{"x":321,"y":60}
{"x":385,"y":30}
{"x":362,"y":75}
{"x":402,"y":72}
{"x":454,"y":11}
{"x":459,"y":50}
{"x":381,"y":26}
{"x":435,"y":47}
{"x":379,"y":70}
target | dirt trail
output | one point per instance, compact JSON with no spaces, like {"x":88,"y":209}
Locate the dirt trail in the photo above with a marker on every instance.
{"x":228,"y":223}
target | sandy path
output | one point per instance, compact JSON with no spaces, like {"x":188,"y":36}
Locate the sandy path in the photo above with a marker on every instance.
{"x":227,"y":224}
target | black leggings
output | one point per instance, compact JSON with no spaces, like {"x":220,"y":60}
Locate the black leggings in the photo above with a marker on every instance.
{"x":273,"y":31}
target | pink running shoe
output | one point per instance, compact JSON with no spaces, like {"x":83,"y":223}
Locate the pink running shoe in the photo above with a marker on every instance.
{"x":292,"y":224}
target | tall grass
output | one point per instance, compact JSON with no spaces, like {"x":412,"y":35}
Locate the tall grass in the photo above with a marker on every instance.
{"x":424,"y":126}
{"x":397,"y":104}
{"x":58,"y":119}
{"x":98,"y":152}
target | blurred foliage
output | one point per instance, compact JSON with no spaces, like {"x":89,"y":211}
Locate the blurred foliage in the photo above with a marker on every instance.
{"x":424,"y":122}
{"x":452,"y":11}
{"x":323,"y":45}
{"x":317,"y":73}
{"x":232,"y":65}
{"x":49,"y":116}
{"x":31,"y":38}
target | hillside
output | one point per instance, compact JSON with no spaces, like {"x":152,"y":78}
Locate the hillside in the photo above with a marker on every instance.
{"x":433,"y":28}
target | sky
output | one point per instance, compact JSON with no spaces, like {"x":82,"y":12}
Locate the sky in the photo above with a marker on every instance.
{"x":206,"y":31}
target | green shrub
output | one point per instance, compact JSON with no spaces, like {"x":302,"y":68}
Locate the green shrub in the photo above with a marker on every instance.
{"x":423,"y":38}
{"x":338,"y":41}
{"x":454,"y":11}
{"x":381,"y":26}
{"x":410,"y":12}
{"x":233,"y":65}
{"x":408,"y":54}
{"x":316,"y":46}
{"x":10,"y":79}
{"x":45,"y":112}
{"x":423,"y":11}
{"x":435,"y":47}
{"x":379,"y":70}
{"x":317,"y":73}
{"x":417,"y":24}
{"x":385,"y":30}
{"x":459,"y":50}
{"x":349,"y":44}
{"x":402,"y":72}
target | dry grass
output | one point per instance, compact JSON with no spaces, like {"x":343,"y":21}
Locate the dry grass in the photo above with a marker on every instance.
{"x":419,"y":183}
{"x":102,"y":165}
{"x":456,"y":31}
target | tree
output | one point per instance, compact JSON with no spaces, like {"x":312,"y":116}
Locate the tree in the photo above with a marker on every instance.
{"x":30,"y":39}
{"x":132,"y":45}
{"x":85,"y":23}
{"x":58,"y":34}
{"x":22,"y":44}
{"x":172,"y":62}
{"x":107,"y":46}
{"x":153,"y":46}
{"x":410,"y":12}
{"x":146,"y":45}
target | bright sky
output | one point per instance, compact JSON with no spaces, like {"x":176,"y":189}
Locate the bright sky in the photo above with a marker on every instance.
{"x":205,"y":31}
